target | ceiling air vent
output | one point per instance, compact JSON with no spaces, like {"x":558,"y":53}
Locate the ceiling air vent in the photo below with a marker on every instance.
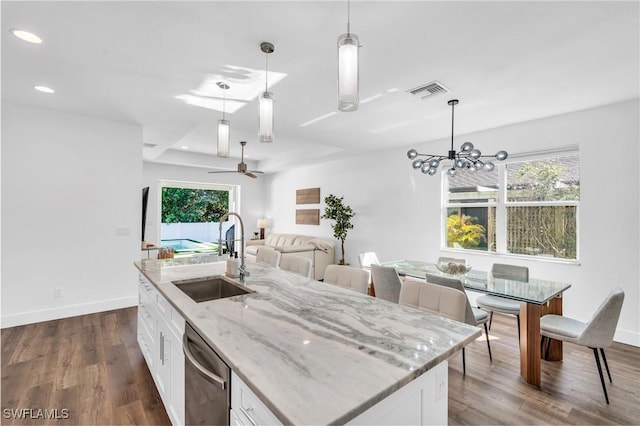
{"x":429,"y":89}
{"x":150,"y":145}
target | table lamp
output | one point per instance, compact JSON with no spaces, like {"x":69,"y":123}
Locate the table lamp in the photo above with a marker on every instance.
{"x":262,"y":223}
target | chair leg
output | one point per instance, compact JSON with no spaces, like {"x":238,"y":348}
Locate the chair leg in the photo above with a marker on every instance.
{"x":486,"y":332}
{"x":604,"y":387}
{"x":546,"y":352}
{"x":490,"y":319}
{"x":604,"y":358}
{"x":518,"y":320}
{"x":464,"y":364}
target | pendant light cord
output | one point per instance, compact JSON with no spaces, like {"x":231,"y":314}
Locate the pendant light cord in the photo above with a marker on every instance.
{"x":348,"y":17}
{"x":224,"y":102}
{"x":266,"y":71}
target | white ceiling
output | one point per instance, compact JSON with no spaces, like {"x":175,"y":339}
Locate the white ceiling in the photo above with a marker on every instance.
{"x":507,"y":62}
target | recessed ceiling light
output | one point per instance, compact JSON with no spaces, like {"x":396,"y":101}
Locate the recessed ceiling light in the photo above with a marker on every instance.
{"x":26,"y":36}
{"x":44,"y":89}
{"x":184,"y":147}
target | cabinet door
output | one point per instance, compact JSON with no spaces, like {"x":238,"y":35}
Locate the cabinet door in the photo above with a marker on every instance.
{"x":170,"y":373}
{"x":177,"y":381}
{"x":249,"y":409}
{"x":163,"y":363}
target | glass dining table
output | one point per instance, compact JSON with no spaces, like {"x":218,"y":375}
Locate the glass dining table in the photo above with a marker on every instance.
{"x":538,"y":297}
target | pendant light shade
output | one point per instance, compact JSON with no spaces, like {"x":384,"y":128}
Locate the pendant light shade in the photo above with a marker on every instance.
{"x":223,"y":138}
{"x":265,"y":125}
{"x":224,"y":127}
{"x":348,"y":45}
{"x":266,"y":117}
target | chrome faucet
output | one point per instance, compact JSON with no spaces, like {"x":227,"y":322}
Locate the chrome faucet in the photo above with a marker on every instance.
{"x":243,"y":266}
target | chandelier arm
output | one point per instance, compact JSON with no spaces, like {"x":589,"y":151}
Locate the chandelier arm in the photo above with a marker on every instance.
{"x":439,"y":156}
{"x":452,"y":118}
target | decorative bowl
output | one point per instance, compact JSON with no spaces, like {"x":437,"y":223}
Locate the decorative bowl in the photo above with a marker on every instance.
{"x":453,"y":268}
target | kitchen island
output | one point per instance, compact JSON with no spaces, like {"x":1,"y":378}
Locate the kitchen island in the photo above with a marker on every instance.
{"x":312,"y":352}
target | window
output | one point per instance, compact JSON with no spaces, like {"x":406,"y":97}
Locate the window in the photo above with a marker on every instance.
{"x":524,"y":207}
{"x":189,"y":214}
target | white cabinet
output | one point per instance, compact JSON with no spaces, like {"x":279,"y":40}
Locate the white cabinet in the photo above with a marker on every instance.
{"x":160,"y":331}
{"x":422,"y":401}
{"x":246,"y":408}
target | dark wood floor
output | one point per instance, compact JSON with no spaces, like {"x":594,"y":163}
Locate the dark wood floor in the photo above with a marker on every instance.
{"x":91,"y":366}
{"x":571,"y":393}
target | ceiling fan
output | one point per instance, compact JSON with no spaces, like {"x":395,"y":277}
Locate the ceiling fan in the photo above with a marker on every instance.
{"x":242,"y":166}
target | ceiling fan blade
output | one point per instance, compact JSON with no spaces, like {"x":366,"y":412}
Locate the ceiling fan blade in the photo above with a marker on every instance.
{"x":251,"y":175}
{"x":255,"y":171}
{"x":224,"y":171}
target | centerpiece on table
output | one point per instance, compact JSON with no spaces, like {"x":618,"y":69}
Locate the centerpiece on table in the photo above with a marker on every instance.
{"x":453,"y":268}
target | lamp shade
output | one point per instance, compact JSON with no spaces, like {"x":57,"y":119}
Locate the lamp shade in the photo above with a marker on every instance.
{"x":223,"y":138}
{"x":265,"y":133}
{"x":348,"y":45}
{"x":263,"y":223}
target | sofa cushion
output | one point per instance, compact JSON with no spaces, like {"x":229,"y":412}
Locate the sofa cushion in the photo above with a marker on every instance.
{"x":252,"y":250}
{"x":321,"y":244}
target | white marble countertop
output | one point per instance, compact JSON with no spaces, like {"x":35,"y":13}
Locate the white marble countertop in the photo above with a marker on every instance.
{"x":314,"y":353}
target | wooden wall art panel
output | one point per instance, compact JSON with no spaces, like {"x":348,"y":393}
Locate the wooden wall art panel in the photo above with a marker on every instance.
{"x":308,"y":196}
{"x":308,"y":217}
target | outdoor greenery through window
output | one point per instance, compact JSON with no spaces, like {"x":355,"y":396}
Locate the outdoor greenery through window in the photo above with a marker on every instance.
{"x":187,"y":205}
{"x":522,"y":207}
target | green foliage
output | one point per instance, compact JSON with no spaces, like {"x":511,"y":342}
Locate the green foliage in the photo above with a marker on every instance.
{"x":543,"y":230}
{"x":187,"y":205}
{"x":542,"y":181}
{"x":463,"y":230}
{"x":336,"y":210}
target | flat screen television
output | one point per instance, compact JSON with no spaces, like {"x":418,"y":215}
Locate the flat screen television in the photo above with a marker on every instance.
{"x":230,"y":238}
{"x":145,"y":201}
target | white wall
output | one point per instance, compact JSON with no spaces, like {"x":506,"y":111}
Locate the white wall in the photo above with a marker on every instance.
{"x":398,"y":210}
{"x":252,"y":194}
{"x":68,"y":183}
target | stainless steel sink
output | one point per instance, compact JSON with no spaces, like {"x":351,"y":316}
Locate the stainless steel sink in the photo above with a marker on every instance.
{"x":202,"y":290}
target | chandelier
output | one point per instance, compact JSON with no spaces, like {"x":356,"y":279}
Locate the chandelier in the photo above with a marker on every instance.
{"x":469,"y":158}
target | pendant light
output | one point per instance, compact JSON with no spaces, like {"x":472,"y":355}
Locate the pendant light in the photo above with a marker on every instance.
{"x":265,"y":133}
{"x":348,"y":45}
{"x":223,"y":125}
{"x":468,"y":159}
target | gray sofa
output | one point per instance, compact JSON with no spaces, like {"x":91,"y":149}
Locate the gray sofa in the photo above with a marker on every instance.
{"x":319,"y":250}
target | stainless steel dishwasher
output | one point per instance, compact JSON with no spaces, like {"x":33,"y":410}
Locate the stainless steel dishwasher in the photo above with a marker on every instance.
{"x":207,"y":382}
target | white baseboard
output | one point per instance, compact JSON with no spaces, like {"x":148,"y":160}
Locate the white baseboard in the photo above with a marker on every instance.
{"x":31,"y":317}
{"x":627,"y":337}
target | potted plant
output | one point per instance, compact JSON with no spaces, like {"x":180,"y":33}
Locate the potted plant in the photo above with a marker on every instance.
{"x":336,"y":210}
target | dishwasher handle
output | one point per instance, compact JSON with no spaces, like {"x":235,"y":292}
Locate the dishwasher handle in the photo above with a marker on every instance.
{"x":213,"y":378}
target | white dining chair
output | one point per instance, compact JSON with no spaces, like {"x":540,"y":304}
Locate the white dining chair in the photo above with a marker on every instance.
{"x":386,"y":282}
{"x":499,"y":304}
{"x":367,"y":259}
{"x":473,"y":316}
{"x":596,"y":334}
{"x":348,"y":277}
{"x":296,"y":264}
{"x":268,"y":256}
{"x":437,"y":299}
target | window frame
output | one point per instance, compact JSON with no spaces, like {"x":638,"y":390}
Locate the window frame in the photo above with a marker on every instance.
{"x":501,"y":204}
